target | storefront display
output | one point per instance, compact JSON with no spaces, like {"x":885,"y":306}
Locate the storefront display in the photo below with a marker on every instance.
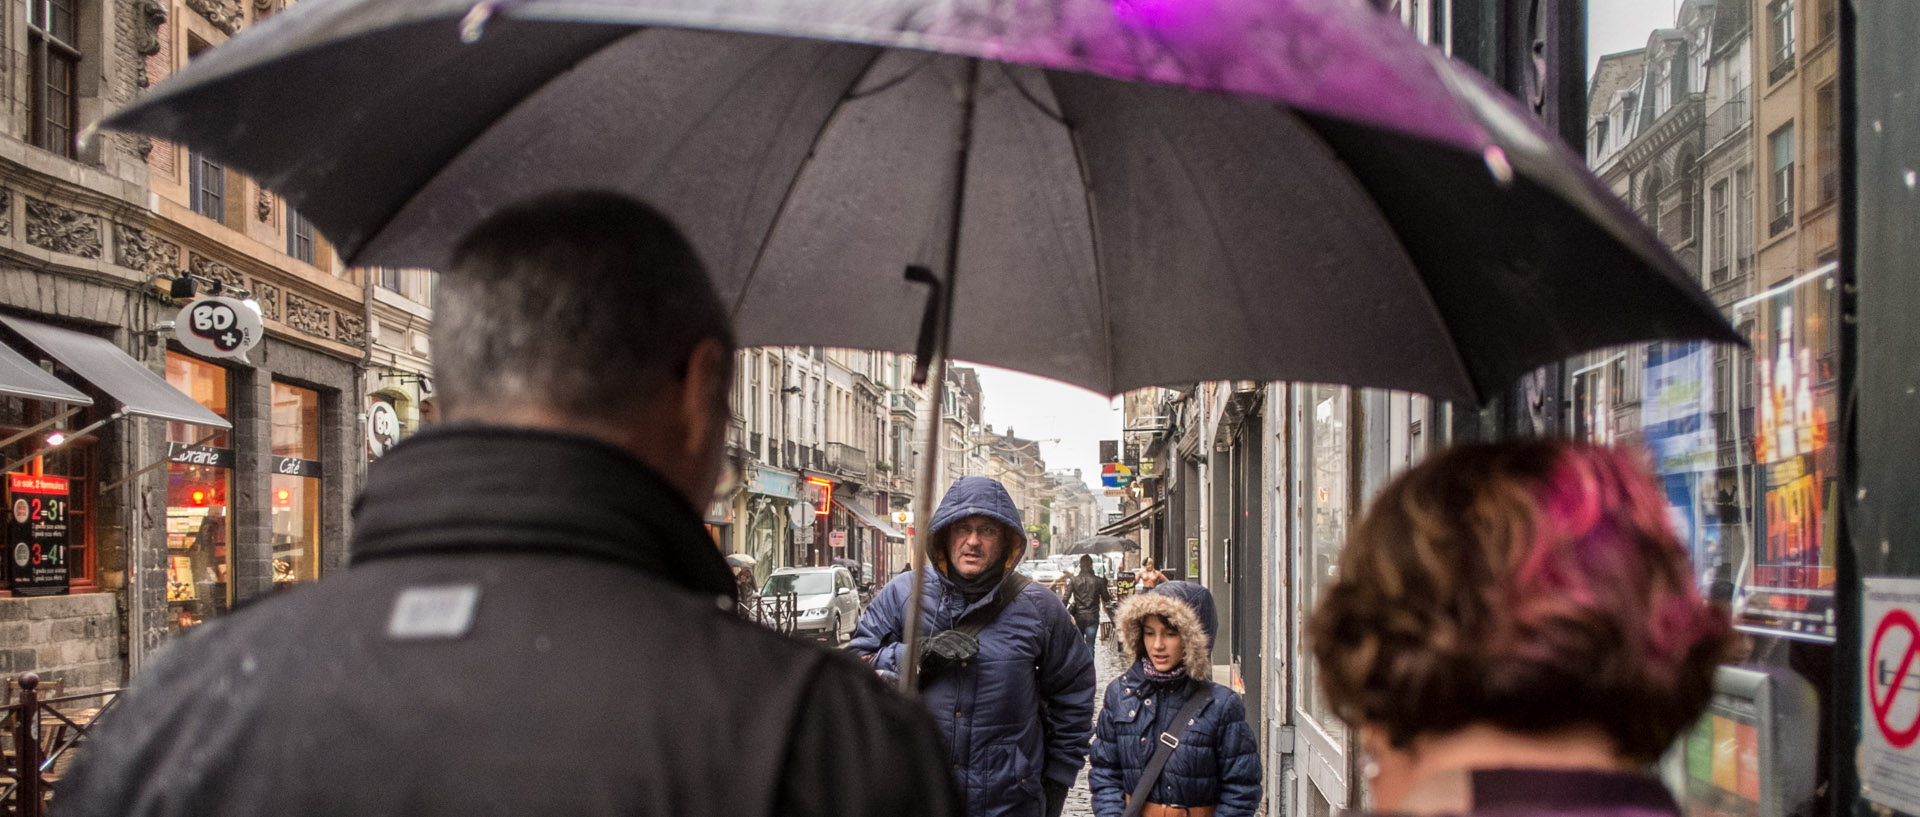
{"x":1786,"y":585}
{"x":199,"y":475}
{"x":296,"y":484}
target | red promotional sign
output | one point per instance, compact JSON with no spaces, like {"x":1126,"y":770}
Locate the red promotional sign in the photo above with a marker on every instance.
{"x":36,"y":528}
{"x":1900,"y":737}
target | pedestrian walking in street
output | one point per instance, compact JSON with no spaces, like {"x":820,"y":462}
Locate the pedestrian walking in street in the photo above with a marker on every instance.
{"x":1170,"y":742}
{"x":1515,"y":630}
{"x":1148,"y":578}
{"x":1003,"y":669}
{"x":1087,"y":595}
{"x":535,"y":621}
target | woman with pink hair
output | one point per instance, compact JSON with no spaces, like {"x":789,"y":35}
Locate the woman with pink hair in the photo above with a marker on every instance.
{"x":1515,"y":630}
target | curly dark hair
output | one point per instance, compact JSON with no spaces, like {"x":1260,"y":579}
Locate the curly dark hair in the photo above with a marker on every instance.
{"x":1533,"y":586}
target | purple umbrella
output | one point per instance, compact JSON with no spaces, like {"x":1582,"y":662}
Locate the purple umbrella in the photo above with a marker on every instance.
{"x":1115,"y":193}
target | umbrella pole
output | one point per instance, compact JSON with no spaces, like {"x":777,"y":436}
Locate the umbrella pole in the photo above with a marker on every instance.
{"x":940,"y":315}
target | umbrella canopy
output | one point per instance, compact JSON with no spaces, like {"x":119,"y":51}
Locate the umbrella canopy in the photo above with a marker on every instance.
{"x":741,"y":560}
{"x":1349,"y":207}
{"x":1101,"y":544}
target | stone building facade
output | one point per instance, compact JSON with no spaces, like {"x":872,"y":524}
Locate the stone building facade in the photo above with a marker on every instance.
{"x":172,"y":521}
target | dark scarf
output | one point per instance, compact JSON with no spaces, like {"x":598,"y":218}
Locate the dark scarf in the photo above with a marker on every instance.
{"x":1154,"y":676}
{"x":979,"y":586}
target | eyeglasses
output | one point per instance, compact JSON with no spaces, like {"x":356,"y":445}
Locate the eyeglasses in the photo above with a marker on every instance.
{"x":983,"y":529}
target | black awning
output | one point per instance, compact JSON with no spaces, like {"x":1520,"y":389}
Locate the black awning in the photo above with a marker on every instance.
{"x":1132,"y":520}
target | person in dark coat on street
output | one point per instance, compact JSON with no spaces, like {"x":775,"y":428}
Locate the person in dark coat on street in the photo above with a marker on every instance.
{"x":535,"y":621}
{"x":1087,"y":595}
{"x":1015,"y":703}
{"x":1215,"y":770}
{"x":1516,"y":631}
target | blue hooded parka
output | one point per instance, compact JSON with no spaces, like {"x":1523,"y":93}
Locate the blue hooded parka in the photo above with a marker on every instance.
{"x":1217,"y":762}
{"x":1003,"y":744}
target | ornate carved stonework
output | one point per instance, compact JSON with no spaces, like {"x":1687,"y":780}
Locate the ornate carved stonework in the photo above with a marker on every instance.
{"x":62,"y":229}
{"x":309,"y":317}
{"x":263,"y":204}
{"x":269,"y":297}
{"x":226,"y":15}
{"x":350,"y":329}
{"x":6,"y":212}
{"x":147,"y":17}
{"x":207,"y":268}
{"x":135,"y":248}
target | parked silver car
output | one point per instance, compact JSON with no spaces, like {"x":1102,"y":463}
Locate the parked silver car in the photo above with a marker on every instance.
{"x":826,"y":597}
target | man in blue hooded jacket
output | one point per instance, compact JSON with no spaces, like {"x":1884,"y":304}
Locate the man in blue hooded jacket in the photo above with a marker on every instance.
{"x":1015,"y":701}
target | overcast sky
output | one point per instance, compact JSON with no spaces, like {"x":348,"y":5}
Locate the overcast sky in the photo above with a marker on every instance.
{"x":1614,"y":26}
{"x":1037,"y":409}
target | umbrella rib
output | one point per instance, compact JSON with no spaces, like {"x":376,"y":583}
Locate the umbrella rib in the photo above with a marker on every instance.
{"x":793,"y":183}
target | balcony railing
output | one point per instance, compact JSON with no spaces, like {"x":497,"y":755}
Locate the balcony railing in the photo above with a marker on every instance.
{"x":902,"y":404}
{"x":1729,"y":118}
{"x":847,"y":460}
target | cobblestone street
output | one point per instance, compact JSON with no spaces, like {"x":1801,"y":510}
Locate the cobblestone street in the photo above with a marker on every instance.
{"x":1107,"y":665}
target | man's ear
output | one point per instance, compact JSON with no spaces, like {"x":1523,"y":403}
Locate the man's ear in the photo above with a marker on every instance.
{"x":709,"y":376}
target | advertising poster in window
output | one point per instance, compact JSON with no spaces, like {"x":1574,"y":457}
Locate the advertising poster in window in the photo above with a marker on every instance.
{"x":1786,"y":582}
{"x":37,"y":534}
{"x":1676,"y":421}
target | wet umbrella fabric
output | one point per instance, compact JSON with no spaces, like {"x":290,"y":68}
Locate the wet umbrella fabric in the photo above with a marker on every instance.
{"x":1101,"y":544}
{"x":1352,"y":208}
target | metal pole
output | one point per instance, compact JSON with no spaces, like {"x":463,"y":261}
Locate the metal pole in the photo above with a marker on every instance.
{"x":936,"y":391}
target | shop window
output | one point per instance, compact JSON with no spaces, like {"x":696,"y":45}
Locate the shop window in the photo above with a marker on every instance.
{"x":1327,"y":481}
{"x":74,"y":462}
{"x":199,"y":476}
{"x":296,"y":485}
{"x":53,"y":64}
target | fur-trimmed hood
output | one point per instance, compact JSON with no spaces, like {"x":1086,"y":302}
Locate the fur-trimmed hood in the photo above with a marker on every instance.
{"x":1194,"y":637}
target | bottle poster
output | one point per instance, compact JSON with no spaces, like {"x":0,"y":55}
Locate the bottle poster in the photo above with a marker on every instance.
{"x":1786,"y":580}
{"x":37,"y":534}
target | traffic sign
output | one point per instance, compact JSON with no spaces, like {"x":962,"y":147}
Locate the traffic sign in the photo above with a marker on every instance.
{"x":1890,"y":686}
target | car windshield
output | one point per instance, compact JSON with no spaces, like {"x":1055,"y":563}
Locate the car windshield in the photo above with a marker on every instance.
{"x":805,"y":584}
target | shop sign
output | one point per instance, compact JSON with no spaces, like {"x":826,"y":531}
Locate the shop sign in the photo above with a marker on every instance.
{"x":838,"y":539}
{"x":37,"y":534}
{"x":218,"y":327}
{"x":1890,"y":711}
{"x":1193,"y":559}
{"x":383,"y":427}
{"x":1676,"y":421}
{"x":296,"y":467}
{"x":200,"y":455}
{"x":1787,"y":585}
{"x":775,"y":484}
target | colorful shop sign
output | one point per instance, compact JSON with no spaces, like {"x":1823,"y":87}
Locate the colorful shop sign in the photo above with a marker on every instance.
{"x":1786,"y":585}
{"x":37,"y":534}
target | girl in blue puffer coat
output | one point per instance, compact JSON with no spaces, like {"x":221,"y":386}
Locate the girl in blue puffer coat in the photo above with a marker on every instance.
{"x":1216,"y":768}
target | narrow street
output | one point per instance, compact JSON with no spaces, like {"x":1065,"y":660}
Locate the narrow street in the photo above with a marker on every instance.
{"x":1107,"y":665}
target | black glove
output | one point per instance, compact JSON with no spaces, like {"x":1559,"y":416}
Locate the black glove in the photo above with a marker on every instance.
{"x":945,"y":649}
{"x":1056,"y":797}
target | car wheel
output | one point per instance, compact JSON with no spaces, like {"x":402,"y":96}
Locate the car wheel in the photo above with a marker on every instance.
{"x":833,"y":632}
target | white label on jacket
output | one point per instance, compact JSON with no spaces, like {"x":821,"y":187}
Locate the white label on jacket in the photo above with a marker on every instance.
{"x":433,"y":612}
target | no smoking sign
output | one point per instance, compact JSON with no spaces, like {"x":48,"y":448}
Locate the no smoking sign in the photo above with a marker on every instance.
{"x":1890,"y":687}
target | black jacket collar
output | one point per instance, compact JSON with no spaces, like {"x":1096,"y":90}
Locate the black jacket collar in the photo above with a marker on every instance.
{"x":471,"y":488}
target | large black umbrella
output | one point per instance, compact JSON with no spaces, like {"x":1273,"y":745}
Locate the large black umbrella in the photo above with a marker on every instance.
{"x":1114,"y":193}
{"x":1101,"y":544}
{"x":1360,"y":210}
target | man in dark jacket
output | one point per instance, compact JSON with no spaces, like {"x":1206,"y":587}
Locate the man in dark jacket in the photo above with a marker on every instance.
{"x":535,"y":621}
{"x":1015,"y":701}
{"x":1086,"y":596}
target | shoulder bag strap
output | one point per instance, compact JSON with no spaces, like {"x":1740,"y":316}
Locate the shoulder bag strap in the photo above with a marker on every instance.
{"x":1003,"y":595}
{"x":1169,"y":741}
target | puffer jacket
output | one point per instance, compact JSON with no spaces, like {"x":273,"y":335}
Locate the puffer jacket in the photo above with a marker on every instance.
{"x":1217,"y":763}
{"x":989,"y":710}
